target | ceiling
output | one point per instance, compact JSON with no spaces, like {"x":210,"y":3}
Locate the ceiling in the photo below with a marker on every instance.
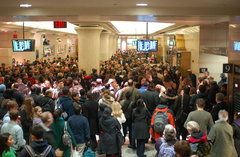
{"x":99,"y":12}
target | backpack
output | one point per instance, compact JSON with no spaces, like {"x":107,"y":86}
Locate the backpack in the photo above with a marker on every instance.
{"x":204,"y":149}
{"x":60,"y":105}
{"x":160,"y":120}
{"x":66,"y":138}
{"x":166,"y":150}
{"x":46,"y":106}
{"x":31,"y":152}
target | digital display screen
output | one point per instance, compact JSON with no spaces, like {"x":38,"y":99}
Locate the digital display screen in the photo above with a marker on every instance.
{"x":22,"y":45}
{"x":147,"y":45}
{"x":171,"y":43}
{"x":236,"y":45}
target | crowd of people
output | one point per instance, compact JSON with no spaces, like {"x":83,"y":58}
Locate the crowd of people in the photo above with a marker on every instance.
{"x":130,"y":95}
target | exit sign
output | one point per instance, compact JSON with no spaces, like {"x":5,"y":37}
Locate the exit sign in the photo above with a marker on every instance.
{"x":60,"y":24}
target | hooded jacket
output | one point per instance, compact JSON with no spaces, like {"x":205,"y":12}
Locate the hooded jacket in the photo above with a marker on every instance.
{"x":197,"y":138}
{"x":38,"y":147}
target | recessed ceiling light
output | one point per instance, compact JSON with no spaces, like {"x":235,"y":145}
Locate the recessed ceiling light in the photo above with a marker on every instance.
{"x":25,"y":5}
{"x":142,"y":4}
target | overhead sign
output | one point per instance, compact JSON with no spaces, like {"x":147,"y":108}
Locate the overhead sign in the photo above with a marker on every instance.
{"x":60,"y":24}
{"x":227,"y":68}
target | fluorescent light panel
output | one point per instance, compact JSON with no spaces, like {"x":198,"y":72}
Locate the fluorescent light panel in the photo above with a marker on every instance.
{"x":142,"y":4}
{"x":25,"y":5}
{"x":139,"y":27}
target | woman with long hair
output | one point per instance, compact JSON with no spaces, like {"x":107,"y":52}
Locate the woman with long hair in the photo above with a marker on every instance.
{"x":6,"y":143}
{"x":141,"y":117}
{"x":118,"y":113}
{"x":26,"y":113}
{"x":57,"y":128}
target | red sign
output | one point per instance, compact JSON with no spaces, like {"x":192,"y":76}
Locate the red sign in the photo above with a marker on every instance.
{"x":60,"y":24}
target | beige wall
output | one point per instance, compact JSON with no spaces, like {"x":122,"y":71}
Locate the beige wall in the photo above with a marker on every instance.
{"x":192,"y":45}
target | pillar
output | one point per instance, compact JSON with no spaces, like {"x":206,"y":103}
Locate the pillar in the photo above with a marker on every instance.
{"x":115,"y":43}
{"x":88,"y":47}
{"x":111,"y":36}
{"x":104,"y":46}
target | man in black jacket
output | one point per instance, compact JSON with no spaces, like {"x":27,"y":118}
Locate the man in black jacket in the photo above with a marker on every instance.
{"x":150,"y":97}
{"x":46,"y":102}
{"x":221,"y":105}
{"x":90,"y":111}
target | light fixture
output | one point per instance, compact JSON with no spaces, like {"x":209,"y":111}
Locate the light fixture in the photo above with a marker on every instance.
{"x":142,"y":4}
{"x":25,"y":5}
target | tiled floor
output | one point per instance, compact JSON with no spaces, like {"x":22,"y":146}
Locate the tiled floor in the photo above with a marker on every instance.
{"x":128,"y":152}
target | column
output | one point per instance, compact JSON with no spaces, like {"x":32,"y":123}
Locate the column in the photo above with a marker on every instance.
{"x":104,"y":46}
{"x":111,"y":45}
{"x":88,"y":47}
{"x":115,"y":42}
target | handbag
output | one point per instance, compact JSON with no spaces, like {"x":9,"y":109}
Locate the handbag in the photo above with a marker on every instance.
{"x":66,"y":138}
{"x":74,"y":153}
{"x":183,"y":116}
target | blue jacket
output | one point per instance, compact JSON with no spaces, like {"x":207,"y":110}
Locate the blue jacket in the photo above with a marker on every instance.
{"x":80,"y":128}
{"x":67,"y":105}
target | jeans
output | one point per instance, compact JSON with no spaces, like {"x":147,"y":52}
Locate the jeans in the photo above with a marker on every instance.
{"x":141,"y":147}
{"x":133,"y":143}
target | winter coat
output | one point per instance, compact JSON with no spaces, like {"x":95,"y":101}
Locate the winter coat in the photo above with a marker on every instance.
{"x":108,"y":132}
{"x":221,"y":134}
{"x":58,"y":127}
{"x":106,"y":102}
{"x":182,"y":112}
{"x":90,"y":111}
{"x":236,"y":134}
{"x":197,"y":138}
{"x":151,"y":99}
{"x":141,"y":123}
{"x":161,"y":108}
{"x":26,"y":124}
{"x":46,"y":100}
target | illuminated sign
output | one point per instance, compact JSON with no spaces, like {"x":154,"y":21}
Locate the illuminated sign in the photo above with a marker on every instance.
{"x":60,"y":24}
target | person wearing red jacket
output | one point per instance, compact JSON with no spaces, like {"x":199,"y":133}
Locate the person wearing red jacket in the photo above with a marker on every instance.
{"x":161,"y":108}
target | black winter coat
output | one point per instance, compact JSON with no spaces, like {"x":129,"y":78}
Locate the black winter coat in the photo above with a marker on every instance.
{"x":46,"y":100}
{"x":90,"y":111}
{"x":151,"y":99}
{"x":141,"y":120}
{"x":108,"y":136}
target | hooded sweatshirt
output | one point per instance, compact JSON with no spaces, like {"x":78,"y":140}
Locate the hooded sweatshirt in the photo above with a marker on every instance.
{"x":38,"y":147}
